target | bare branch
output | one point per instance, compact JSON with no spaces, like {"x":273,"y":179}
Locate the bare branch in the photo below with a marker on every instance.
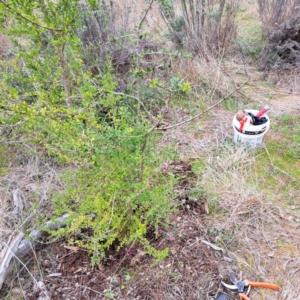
{"x":208,"y":109}
{"x":145,"y":14}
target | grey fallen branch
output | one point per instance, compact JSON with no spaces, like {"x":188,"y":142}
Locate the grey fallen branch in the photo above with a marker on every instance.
{"x":213,"y":246}
{"x":216,"y":248}
{"x":54,"y":275}
{"x":18,"y":246}
{"x":227,"y":259}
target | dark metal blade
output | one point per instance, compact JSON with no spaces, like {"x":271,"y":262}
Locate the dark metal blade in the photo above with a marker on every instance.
{"x":223,"y":297}
{"x":232,"y":278}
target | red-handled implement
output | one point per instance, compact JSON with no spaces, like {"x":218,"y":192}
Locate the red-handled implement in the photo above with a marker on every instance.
{"x":243,"y":287}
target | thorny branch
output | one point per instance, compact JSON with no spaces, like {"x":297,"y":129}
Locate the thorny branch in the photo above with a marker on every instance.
{"x":140,"y":103}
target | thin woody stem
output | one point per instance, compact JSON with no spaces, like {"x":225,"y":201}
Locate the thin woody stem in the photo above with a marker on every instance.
{"x":28,"y":20}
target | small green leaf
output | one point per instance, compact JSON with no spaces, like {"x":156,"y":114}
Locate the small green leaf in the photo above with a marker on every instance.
{"x":109,"y":294}
{"x":153,"y":83}
{"x":127,"y":277}
{"x":186,"y":87}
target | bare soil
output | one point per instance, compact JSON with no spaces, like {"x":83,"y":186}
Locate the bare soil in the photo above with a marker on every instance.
{"x":287,"y":105}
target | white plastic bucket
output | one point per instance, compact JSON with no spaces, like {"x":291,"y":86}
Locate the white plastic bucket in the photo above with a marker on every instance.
{"x":252,"y":135}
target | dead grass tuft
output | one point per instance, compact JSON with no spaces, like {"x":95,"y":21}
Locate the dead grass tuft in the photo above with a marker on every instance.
{"x":24,"y":193}
{"x":288,"y":80}
{"x":257,"y":228}
{"x":206,"y":76}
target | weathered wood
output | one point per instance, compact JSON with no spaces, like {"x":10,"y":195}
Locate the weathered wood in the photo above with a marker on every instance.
{"x":18,"y":205}
{"x":7,"y":254}
{"x":27,"y":244}
{"x":44,"y":294}
{"x":18,"y":246}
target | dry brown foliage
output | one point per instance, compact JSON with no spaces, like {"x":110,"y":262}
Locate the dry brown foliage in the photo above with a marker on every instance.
{"x":25,"y":186}
{"x":260,"y":232}
{"x":201,"y":26}
{"x":274,"y":12}
{"x":281,"y":27}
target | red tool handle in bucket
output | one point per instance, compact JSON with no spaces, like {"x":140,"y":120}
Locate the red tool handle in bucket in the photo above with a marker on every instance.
{"x":243,"y":123}
{"x":263,"y":111}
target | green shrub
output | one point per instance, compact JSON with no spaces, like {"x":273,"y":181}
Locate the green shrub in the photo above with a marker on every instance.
{"x":113,"y":200}
{"x":114,"y":190}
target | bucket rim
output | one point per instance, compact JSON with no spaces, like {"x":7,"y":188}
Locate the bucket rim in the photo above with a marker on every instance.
{"x":251,"y":136}
{"x":252,"y":129}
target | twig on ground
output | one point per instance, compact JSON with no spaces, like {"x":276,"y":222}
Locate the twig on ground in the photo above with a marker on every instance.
{"x":213,"y":246}
{"x":21,"y":286}
{"x":80,"y":285}
{"x":233,"y":80}
{"x":18,"y":246}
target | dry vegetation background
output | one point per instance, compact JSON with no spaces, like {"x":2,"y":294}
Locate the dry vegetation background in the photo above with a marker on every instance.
{"x":254,"y":219}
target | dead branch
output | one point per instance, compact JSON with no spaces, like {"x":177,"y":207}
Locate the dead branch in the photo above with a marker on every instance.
{"x":7,"y":255}
{"x":18,"y":247}
{"x":208,"y":109}
{"x":18,"y":205}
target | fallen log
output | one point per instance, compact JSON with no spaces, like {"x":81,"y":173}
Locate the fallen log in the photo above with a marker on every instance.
{"x":18,"y":247}
{"x":7,"y":255}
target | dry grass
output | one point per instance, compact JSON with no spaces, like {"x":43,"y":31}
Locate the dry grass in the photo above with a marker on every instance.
{"x":274,"y":12}
{"x":25,"y":193}
{"x":211,"y":81}
{"x":134,"y":11}
{"x":206,"y":76}
{"x":289,"y":80}
{"x":25,"y":202}
{"x":258,"y":229}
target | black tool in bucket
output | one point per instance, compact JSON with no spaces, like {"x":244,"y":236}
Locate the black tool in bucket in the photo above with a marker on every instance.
{"x":245,"y":130}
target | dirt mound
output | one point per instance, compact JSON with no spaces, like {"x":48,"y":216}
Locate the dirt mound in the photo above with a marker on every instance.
{"x":191,"y":269}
